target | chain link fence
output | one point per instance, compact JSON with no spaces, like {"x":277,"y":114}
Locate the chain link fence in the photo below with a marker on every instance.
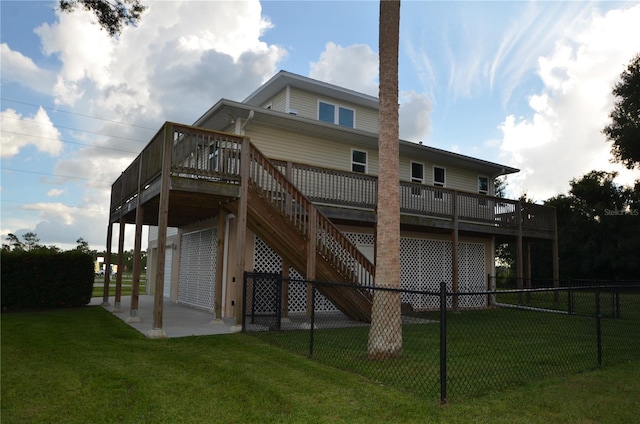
{"x":453,"y":352}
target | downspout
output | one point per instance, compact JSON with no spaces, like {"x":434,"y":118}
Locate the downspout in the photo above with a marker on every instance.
{"x":241,"y":124}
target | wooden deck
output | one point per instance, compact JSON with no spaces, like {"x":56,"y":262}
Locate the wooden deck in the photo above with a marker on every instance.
{"x":187,"y":174}
{"x":205,"y":173}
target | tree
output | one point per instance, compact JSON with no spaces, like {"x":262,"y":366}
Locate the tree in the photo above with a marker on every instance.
{"x":385,"y":333}
{"x":598,"y":231}
{"x":624,"y":129}
{"x":31,"y":241}
{"x":14,"y":242}
{"x":111,"y":14}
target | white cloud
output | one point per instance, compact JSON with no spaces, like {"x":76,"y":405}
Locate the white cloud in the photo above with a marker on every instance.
{"x":354,"y":67}
{"x":21,"y":69}
{"x":415,"y":120}
{"x":562,"y":138}
{"x":19,"y":131}
{"x":55,"y":192}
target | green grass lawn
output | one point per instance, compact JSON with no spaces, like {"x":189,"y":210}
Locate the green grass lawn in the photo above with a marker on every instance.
{"x":487,"y":350}
{"x":85,"y":365}
{"x":98,"y":286}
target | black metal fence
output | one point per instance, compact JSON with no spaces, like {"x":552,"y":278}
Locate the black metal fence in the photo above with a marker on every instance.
{"x":519,"y":335}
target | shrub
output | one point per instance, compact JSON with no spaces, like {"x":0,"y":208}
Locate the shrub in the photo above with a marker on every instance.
{"x":44,"y":279}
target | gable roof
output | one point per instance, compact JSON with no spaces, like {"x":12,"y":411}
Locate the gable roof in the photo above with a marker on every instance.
{"x":219,"y":117}
{"x":283,"y":79}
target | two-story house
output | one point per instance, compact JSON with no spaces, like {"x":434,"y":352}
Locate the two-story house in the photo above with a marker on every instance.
{"x":285,"y":181}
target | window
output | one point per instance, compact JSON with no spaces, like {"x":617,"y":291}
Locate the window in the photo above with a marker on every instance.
{"x":336,"y":114}
{"x":483,"y":185}
{"x":438,"y":176}
{"x":438,"y":181}
{"x":359,"y":161}
{"x":417,"y":172}
{"x":326,"y":112}
{"x":483,"y":188}
{"x":345,"y":117}
{"x":417,"y":176}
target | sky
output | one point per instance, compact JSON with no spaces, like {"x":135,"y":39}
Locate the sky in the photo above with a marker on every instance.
{"x":524,"y":84}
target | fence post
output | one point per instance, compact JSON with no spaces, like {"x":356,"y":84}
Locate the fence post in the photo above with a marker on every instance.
{"x":569,"y":297}
{"x":443,"y":342}
{"x":313,"y":318}
{"x":598,"y":326}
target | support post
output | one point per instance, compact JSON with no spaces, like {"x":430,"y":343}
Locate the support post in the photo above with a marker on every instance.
{"x":556,"y":259}
{"x":454,"y":252}
{"x":527,"y":283}
{"x":241,"y":231}
{"x":311,"y":258}
{"x":163,"y":221}
{"x":137,"y":251}
{"x":220,"y":248}
{"x":519,"y":254}
{"x":107,"y":266}
{"x":285,"y":288}
{"x":117,"y":304}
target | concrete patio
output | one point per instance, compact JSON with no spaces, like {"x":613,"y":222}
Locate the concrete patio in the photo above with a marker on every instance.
{"x":178,"y":320}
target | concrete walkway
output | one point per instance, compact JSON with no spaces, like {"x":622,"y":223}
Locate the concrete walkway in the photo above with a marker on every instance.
{"x":178,"y":320}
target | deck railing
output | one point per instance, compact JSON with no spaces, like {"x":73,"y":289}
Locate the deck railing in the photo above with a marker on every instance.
{"x":343,"y":188}
{"x":204,"y":154}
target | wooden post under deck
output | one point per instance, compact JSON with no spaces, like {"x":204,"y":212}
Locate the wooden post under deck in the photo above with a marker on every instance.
{"x":454,"y":252}
{"x":117,"y":304}
{"x":220,"y":248}
{"x":241,"y":230}
{"x":107,"y":266}
{"x":135,"y":285}
{"x":163,"y":220}
{"x":556,"y":259}
{"x":519,"y":254}
{"x":311,"y":257}
{"x":284,"y":302}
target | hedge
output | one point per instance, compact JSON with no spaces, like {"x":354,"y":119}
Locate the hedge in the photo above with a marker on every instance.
{"x":44,"y":279}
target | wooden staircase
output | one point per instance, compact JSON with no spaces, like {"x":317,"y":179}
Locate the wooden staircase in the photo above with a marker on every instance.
{"x":288,"y":222}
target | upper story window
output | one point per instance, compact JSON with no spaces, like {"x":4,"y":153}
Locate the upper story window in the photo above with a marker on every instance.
{"x":417,"y":172}
{"x":333,"y":114}
{"x":358,"y":161}
{"x":483,"y":185}
{"x":439,"y":175}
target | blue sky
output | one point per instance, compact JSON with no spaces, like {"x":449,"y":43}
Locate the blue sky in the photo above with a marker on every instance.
{"x":527,"y":84}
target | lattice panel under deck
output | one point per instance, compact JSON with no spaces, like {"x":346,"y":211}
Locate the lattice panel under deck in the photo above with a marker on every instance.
{"x":423,"y":265}
{"x":471,"y":274}
{"x":198,"y":268}
{"x":267,"y":260}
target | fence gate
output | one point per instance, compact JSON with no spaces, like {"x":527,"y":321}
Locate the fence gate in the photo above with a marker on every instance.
{"x":262,"y":302}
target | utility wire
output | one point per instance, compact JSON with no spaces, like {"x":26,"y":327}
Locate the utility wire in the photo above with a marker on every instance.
{"x":77,"y":114}
{"x":78,"y":129}
{"x":53,"y":175}
{"x":68,"y":142}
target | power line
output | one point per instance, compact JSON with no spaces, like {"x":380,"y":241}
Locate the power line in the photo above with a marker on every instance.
{"x":78,"y":129}
{"x":53,"y":175}
{"x":68,"y":142}
{"x":77,"y":114}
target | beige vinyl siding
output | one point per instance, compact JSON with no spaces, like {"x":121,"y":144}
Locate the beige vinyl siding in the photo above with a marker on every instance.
{"x":306,"y":104}
{"x":297,"y":147}
{"x":455,"y":178}
{"x":153,"y":232}
{"x":277,"y":102}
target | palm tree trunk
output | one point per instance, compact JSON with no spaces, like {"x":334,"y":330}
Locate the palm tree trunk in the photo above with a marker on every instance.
{"x":385,"y":335}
